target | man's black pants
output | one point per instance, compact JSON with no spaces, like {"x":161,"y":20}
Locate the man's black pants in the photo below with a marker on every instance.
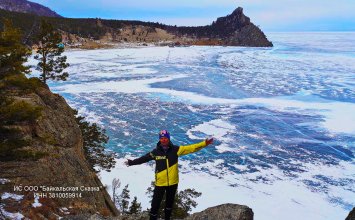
{"x":159,"y":192}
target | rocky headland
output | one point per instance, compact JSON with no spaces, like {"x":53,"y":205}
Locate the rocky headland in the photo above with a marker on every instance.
{"x":235,"y":29}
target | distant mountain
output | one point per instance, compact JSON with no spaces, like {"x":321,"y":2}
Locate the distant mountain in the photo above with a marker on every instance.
{"x":25,"y":6}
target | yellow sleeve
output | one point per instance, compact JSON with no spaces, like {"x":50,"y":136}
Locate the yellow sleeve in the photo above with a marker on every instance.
{"x":191,"y":148}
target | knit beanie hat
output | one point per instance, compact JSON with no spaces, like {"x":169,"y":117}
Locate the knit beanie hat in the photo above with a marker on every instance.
{"x":164,"y":133}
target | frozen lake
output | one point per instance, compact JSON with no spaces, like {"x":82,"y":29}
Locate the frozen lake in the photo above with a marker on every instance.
{"x":283,"y":119}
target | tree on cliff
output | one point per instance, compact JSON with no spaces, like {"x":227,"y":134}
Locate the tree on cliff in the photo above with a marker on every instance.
{"x":95,"y":139}
{"x":123,"y":201}
{"x":135,"y":207}
{"x":13,"y":54}
{"x":116,"y":184}
{"x":183,"y":203}
{"x":51,"y":63}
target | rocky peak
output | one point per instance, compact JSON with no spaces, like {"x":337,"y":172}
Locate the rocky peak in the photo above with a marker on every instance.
{"x":238,"y":15}
{"x":237,"y":30}
{"x":234,"y":21}
{"x":25,"y":6}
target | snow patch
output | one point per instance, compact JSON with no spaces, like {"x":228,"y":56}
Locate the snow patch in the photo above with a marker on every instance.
{"x":12,"y":196}
{"x":14,"y":216}
{"x":36,"y":202}
{"x":9,"y":215}
{"x":217,"y":128}
{"x":4,"y":181}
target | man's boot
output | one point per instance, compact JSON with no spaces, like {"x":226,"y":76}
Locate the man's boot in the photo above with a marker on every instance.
{"x":153,"y":216}
{"x":168,"y":212}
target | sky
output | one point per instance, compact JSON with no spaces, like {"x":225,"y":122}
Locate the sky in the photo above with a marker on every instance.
{"x":269,"y":15}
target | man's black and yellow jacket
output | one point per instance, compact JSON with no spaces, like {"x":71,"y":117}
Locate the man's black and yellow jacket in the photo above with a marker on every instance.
{"x":166,"y":169}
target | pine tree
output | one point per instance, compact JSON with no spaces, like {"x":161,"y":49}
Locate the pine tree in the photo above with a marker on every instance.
{"x":13,"y":54}
{"x":184,"y":201}
{"x":95,"y":139}
{"x":135,"y":207}
{"x":51,"y":63}
{"x":124,"y":200}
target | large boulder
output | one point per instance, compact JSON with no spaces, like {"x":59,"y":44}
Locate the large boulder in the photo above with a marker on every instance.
{"x":224,"y":212}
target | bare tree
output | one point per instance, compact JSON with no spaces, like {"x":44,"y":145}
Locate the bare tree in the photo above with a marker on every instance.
{"x":116,"y":183}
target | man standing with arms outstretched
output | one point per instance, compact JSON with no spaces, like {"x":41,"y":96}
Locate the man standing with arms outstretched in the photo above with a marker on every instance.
{"x":166,"y":171}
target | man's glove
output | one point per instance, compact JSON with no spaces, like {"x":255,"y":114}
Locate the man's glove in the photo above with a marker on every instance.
{"x":128,"y":162}
{"x":209,"y":141}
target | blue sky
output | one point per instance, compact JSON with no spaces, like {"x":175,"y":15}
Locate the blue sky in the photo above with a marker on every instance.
{"x":270,"y":15}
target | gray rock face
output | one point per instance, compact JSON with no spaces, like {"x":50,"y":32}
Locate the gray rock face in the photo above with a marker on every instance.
{"x":224,"y":212}
{"x":25,"y":6}
{"x":64,"y":130}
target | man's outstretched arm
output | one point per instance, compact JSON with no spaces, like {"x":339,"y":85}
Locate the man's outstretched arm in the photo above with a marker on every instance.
{"x":183,"y":150}
{"x":142,"y":159}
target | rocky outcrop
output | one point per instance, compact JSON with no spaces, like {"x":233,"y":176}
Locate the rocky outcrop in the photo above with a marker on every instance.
{"x":224,"y":212}
{"x":220,"y":212}
{"x":237,"y":30}
{"x":232,"y":22}
{"x":249,"y":35}
{"x":351,"y":215}
{"x":55,"y":134}
{"x":27,"y":7}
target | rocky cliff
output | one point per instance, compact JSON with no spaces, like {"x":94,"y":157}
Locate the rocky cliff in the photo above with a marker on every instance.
{"x":48,"y":176}
{"x":27,"y":7}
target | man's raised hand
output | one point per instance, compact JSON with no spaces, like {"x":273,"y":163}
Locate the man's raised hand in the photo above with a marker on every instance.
{"x":127,"y":162}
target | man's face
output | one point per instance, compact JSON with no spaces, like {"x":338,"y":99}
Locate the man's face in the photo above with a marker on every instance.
{"x":164,"y":141}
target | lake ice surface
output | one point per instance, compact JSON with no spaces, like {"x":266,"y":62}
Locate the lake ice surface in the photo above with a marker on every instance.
{"x":283,"y":119}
